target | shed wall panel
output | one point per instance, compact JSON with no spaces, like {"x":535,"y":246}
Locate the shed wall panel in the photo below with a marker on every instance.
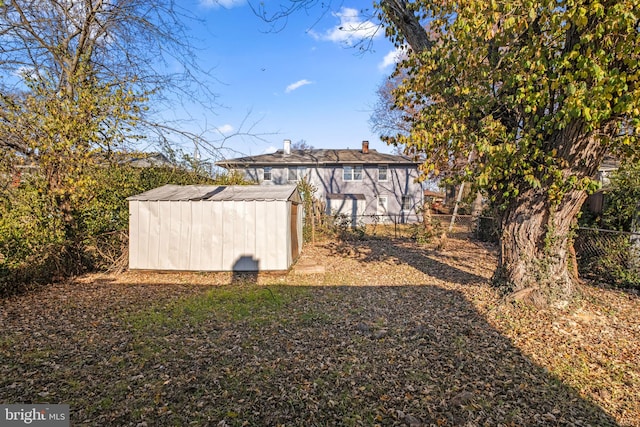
{"x":186,"y":234}
{"x":217,"y":237}
{"x":202,"y":253}
{"x":251,"y":234}
{"x":172,"y":238}
{"x":282,"y":230}
{"x":196,"y":245}
{"x":134,"y":233}
{"x":160,"y":231}
{"x":228,"y":231}
{"x":150,"y":219}
{"x":262,"y":240}
{"x":245,"y":235}
{"x":150,"y":234}
{"x":267,"y":250}
{"x":141,"y":239}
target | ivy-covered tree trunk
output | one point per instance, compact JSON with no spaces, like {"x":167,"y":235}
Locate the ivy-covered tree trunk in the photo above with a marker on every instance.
{"x":536,"y":259}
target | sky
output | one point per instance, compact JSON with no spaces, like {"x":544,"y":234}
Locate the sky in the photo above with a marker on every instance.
{"x":304,"y":80}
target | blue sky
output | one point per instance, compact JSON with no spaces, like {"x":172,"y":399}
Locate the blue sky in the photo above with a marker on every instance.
{"x":305,"y":81}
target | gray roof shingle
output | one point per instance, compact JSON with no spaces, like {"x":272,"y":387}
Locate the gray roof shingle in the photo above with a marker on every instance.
{"x":318,"y":157}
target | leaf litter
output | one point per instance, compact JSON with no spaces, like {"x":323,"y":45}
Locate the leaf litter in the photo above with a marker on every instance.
{"x":391,"y":334}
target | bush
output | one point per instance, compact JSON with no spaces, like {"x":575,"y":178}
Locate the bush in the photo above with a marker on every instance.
{"x":39,"y":244}
{"x":32,"y":243}
{"x":609,"y":257}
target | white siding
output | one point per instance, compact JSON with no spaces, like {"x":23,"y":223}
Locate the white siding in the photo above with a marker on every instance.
{"x":211,"y":235}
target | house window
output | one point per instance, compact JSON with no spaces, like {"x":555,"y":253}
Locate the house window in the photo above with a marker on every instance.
{"x":382,"y":172}
{"x":382,"y":205}
{"x":347,"y":173}
{"x":406,"y":203}
{"x":352,"y":173}
{"x":267,"y":173}
{"x":297,"y":174}
{"x":357,"y":173}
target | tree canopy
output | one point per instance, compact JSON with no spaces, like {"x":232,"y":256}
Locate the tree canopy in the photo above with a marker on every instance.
{"x":79,"y":81}
{"x":133,"y":48}
{"x":534,"y":94}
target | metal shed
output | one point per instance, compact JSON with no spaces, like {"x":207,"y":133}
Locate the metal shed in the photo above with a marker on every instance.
{"x":215,"y":228}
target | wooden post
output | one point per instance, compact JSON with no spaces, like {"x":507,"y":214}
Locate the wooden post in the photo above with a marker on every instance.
{"x":455,"y":208}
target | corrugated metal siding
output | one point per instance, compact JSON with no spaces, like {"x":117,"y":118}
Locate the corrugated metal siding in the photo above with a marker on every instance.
{"x":211,"y":236}
{"x":172,"y":192}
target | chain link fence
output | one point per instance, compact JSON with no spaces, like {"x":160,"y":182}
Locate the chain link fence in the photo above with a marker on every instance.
{"x":610,"y":256}
{"x":606,"y":255}
{"x":401,"y":226}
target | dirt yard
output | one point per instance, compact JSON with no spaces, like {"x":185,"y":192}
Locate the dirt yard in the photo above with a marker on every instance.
{"x":390,"y":333}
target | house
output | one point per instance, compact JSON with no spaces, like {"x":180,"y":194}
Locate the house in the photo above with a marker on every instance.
{"x":215,"y":228}
{"x":361,"y":183}
{"x":146,"y":160}
{"x":436,"y":200}
{"x":597,"y":201}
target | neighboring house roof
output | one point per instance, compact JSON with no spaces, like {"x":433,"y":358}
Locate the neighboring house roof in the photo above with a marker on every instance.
{"x":146,"y":160}
{"x":172,"y":192}
{"x":318,"y":157}
{"x":434,"y":194}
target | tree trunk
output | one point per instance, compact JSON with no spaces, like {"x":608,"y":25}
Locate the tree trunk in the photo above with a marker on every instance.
{"x":536,"y":260}
{"x":403,"y":16}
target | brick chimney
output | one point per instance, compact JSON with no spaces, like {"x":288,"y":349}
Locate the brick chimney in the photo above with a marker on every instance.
{"x":287,"y":147}
{"x":365,"y":147}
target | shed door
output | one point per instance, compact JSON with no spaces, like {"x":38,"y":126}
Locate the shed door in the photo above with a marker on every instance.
{"x":294,"y":231}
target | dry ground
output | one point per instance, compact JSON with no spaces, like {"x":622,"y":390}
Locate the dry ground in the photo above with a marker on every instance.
{"x":391,"y":334}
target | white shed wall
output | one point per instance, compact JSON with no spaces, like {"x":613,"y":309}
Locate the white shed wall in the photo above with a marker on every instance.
{"x":211,"y":235}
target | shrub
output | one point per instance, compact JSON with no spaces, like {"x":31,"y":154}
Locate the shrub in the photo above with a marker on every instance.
{"x":38,"y":244}
{"x":32,"y":241}
{"x":609,"y":257}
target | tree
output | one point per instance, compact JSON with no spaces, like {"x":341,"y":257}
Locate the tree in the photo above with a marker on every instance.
{"x":535,"y":94}
{"x":132,"y":46}
{"x":78,"y":78}
{"x":386,"y":120}
{"x":301,"y":145}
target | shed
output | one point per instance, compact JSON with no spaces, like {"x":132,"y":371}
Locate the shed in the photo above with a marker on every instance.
{"x":215,"y":228}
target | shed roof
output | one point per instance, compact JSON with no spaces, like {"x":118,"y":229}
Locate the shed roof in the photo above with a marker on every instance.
{"x":172,"y":192}
{"x":318,"y":157}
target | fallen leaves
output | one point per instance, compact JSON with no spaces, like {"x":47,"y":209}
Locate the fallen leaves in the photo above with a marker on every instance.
{"x":390,"y":334}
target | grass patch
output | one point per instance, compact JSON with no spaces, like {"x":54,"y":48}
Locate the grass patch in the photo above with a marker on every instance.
{"x":228,"y":303}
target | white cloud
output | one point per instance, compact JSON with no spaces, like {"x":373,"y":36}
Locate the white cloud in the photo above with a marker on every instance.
{"x":226,"y":4}
{"x":296,"y":85}
{"x":224,"y":129}
{"x":27,"y":73}
{"x":351,"y":29}
{"x":392,"y":58}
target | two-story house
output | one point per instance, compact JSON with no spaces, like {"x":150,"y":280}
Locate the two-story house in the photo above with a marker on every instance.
{"x":363,"y":184}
